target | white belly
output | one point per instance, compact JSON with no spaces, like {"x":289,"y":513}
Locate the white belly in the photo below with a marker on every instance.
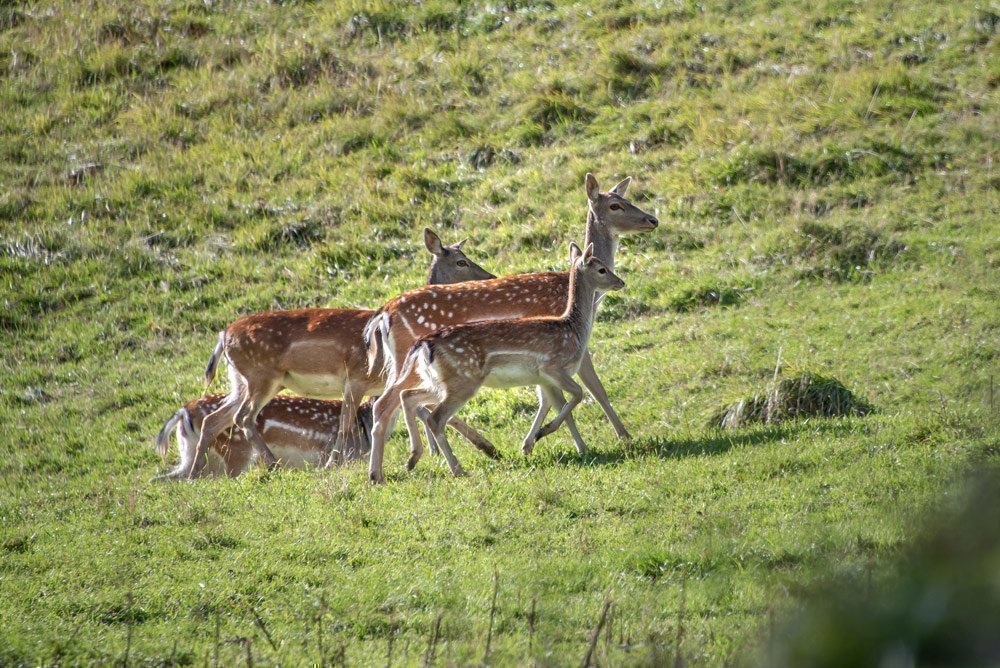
{"x":513,"y":371}
{"x":315,"y":385}
{"x":297,"y":458}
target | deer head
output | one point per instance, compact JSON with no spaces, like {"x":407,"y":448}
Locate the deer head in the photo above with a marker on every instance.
{"x":591,"y":273}
{"x":615,"y":212}
{"x":450,"y":264}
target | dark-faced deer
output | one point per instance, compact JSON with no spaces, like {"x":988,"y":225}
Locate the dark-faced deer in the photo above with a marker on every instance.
{"x":314,"y":352}
{"x":298,"y":431}
{"x":453,"y":363}
{"x":404,"y":320}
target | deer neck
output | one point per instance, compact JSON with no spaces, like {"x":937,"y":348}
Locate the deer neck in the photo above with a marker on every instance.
{"x":580,"y":307}
{"x":604,"y":240}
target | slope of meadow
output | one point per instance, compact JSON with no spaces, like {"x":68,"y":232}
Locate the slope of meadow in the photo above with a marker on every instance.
{"x":825,"y":183}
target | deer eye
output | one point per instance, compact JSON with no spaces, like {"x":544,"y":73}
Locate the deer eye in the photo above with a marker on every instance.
{"x":462,"y":263}
{"x":602,"y":270}
{"x":615,"y":207}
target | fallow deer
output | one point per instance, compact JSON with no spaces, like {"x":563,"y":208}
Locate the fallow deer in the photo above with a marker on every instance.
{"x":314,"y":352}
{"x":546,"y":351}
{"x":299,"y":431}
{"x":417,"y":313}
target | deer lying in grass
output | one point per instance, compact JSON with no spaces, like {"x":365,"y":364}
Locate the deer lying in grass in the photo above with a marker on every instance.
{"x":412,"y":315}
{"x":314,"y":352}
{"x":546,"y":351}
{"x":297,"y":430}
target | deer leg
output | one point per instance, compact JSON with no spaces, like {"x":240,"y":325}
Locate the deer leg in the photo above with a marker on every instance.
{"x":438,"y":419}
{"x":236,"y":454}
{"x":474,"y":437}
{"x":566,"y":383}
{"x":462,"y":427}
{"x":528,"y":444}
{"x":554,"y":396}
{"x":593,"y":384}
{"x":246,"y":419}
{"x":349,"y":440}
{"x":558,"y":401}
{"x":414,"y":405}
{"x":383,"y":418}
{"x":423,"y":413}
{"x":214,"y":424}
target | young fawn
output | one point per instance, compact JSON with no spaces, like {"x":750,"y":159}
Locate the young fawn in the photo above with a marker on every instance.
{"x":314,"y":352}
{"x":417,"y":313}
{"x":298,"y":431}
{"x":453,"y":363}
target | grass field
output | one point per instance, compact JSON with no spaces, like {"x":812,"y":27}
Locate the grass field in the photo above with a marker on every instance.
{"x":824,"y":177}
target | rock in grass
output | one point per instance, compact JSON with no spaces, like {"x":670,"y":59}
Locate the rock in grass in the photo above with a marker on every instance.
{"x":805,"y":395}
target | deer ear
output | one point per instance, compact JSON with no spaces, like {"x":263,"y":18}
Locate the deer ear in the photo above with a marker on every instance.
{"x":459,"y":245}
{"x":433,"y":242}
{"x":622,"y":186}
{"x":588,"y":252}
{"x":592,"y":189}
{"x":574,"y":253}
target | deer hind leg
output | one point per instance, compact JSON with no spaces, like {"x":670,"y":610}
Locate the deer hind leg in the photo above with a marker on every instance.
{"x":415,"y":405}
{"x":383,"y":419}
{"x":349,"y":440}
{"x":236,"y":453}
{"x":588,"y":374}
{"x":246,"y":417}
{"x":462,"y":427}
{"x":454,"y":399}
{"x":423,"y":413}
{"x":528,"y":444}
{"x":566,"y":383}
{"x":214,"y":424}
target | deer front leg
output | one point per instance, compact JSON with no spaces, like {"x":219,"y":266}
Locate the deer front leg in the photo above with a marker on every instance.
{"x":474,"y":437}
{"x":555,"y":397}
{"x":566,"y":383}
{"x":593,"y":384}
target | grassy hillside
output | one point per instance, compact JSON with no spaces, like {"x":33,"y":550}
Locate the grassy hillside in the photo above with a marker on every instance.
{"x":824,"y":176}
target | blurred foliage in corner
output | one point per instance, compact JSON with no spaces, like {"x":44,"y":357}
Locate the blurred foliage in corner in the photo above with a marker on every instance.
{"x":942,"y":608}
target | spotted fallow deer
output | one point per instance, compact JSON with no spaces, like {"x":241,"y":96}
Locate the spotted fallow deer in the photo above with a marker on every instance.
{"x":414,"y":314}
{"x":314,"y":352}
{"x":298,"y":431}
{"x":451,"y":365}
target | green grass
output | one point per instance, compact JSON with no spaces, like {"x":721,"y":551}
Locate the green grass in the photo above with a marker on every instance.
{"x":825,"y":181}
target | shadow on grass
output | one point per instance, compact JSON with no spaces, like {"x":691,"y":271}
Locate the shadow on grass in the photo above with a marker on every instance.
{"x":714,"y":442}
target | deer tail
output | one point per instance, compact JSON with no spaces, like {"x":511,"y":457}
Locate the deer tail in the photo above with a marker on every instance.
{"x":373,"y":341}
{"x":213,"y":361}
{"x":163,"y":438}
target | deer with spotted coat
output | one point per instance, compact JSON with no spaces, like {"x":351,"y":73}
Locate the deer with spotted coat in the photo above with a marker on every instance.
{"x":314,"y":352}
{"x":417,"y":313}
{"x":297,"y":430}
{"x":546,"y":351}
